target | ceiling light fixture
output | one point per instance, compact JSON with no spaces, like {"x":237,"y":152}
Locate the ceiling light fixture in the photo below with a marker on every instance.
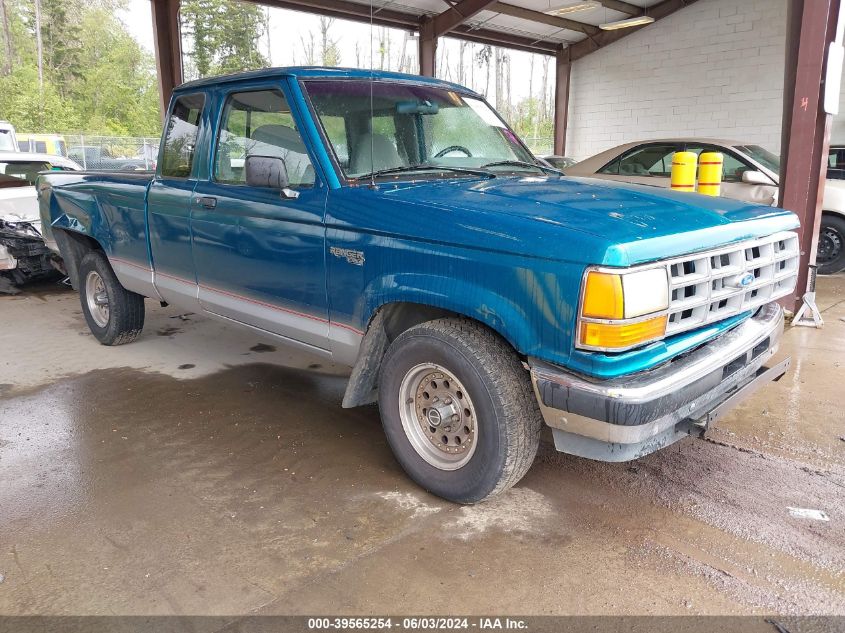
{"x":571,"y":7}
{"x":625,"y":24}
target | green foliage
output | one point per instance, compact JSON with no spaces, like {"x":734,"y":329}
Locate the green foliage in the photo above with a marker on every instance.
{"x":223,"y":36}
{"x":96,"y":77}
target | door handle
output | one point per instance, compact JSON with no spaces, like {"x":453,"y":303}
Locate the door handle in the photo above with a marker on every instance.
{"x":209,"y":202}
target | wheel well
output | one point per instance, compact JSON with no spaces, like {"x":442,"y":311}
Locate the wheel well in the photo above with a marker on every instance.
{"x":73,"y":247}
{"x":399,"y":317}
{"x":388,"y":322}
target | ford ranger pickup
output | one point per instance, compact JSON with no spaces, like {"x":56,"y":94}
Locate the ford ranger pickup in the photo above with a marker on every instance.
{"x":397,"y":225}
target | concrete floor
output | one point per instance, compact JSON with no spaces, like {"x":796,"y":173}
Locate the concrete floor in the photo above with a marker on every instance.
{"x":201,"y":471}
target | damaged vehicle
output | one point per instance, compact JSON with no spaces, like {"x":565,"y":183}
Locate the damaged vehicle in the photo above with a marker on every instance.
{"x":396,"y":225}
{"x":23,"y":255}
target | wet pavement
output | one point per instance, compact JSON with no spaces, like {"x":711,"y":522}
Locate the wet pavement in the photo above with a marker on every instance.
{"x":201,"y":470}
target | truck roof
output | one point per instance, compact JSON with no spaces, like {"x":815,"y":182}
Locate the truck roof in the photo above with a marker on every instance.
{"x":320,"y":72}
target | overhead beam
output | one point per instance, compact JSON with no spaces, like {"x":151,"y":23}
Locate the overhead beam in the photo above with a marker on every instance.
{"x":811,"y":27}
{"x":622,"y":7}
{"x":457,"y":14}
{"x":168,"y":48}
{"x":498,"y":38}
{"x":543,"y":18}
{"x":347,"y":11}
{"x":592,"y":44}
{"x":358,"y":12}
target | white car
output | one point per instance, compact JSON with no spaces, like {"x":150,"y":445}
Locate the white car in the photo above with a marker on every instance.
{"x":23,"y":254}
{"x":750,"y":173}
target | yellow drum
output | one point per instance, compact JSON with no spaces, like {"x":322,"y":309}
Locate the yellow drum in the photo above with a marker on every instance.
{"x":710,"y":173}
{"x":683,"y":171}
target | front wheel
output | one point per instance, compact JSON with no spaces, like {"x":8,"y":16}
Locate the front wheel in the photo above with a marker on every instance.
{"x":458,"y":409}
{"x":114,"y":314}
{"x":830,"y":255}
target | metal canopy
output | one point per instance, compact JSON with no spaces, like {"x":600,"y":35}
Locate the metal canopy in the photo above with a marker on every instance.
{"x":522,"y":24}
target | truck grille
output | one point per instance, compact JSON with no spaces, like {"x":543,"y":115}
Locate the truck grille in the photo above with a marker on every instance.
{"x":708,"y":286}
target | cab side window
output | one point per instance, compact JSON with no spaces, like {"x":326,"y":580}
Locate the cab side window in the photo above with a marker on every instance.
{"x":180,"y":141}
{"x":651,"y":160}
{"x":259,"y":123}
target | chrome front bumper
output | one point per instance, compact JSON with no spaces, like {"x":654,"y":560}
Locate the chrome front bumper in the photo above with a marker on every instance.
{"x":628,"y":417}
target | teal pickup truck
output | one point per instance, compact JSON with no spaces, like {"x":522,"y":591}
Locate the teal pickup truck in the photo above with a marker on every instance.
{"x":397,"y":225}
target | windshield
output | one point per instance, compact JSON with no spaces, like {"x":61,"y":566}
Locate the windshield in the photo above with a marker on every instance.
{"x":763,"y":156}
{"x":413,"y":127}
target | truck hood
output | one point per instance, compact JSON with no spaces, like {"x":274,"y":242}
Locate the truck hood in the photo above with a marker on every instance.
{"x":19,"y":204}
{"x":624,"y":224}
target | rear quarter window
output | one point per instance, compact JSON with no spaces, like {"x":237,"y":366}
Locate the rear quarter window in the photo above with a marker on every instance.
{"x":180,"y":141}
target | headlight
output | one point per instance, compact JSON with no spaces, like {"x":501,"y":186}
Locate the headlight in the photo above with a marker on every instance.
{"x":615,"y":309}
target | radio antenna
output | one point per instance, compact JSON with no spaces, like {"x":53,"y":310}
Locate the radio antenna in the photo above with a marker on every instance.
{"x":372,"y":107}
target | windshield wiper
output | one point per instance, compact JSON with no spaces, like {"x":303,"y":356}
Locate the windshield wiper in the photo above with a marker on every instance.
{"x":425,"y":167}
{"x":522,"y":163}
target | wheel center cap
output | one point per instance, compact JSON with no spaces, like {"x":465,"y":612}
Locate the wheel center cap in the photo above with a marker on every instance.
{"x":434,"y":417}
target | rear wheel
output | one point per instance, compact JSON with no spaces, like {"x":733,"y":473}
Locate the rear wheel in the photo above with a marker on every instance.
{"x":114,"y":314}
{"x":830,"y":256}
{"x":458,"y":409}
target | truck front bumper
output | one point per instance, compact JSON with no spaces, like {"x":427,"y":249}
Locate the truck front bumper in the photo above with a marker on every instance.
{"x":625,"y":418}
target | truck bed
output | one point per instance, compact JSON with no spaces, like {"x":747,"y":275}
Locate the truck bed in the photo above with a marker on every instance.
{"x":110,"y":207}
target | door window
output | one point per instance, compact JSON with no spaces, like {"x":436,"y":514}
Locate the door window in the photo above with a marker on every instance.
{"x":180,"y":141}
{"x":650,"y":160}
{"x":260,"y":123}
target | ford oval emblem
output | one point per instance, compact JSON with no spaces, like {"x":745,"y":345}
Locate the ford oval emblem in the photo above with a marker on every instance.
{"x":743,"y":281}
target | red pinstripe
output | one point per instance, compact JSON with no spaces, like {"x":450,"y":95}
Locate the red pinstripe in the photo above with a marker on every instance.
{"x":241,"y":297}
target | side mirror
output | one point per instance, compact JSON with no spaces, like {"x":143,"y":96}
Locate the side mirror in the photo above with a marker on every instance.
{"x":754,"y":177}
{"x":268,"y":171}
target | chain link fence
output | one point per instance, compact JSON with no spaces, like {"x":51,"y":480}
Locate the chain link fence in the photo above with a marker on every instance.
{"x":112,"y":153}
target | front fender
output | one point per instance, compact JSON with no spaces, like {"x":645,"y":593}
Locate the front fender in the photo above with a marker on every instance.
{"x":531,"y":309}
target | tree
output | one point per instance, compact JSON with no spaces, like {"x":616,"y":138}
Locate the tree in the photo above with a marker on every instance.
{"x":96,"y":78}
{"x":482,"y":58}
{"x":7,"y":38}
{"x":329,"y":51}
{"x":224,"y":36}
{"x":309,"y":49}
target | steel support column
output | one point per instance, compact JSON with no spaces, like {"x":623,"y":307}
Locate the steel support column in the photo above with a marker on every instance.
{"x":563,"y":71}
{"x":168,"y":48}
{"x":427,"y":47}
{"x":811,"y":27}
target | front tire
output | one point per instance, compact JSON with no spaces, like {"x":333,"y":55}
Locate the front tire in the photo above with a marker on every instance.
{"x":831,"y":250}
{"x":114,"y":315}
{"x":458,"y":409}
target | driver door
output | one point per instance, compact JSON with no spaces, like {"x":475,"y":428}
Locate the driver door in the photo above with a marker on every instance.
{"x":259,"y":253}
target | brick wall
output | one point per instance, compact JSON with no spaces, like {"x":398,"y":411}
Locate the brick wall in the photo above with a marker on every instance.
{"x":713,"y":69}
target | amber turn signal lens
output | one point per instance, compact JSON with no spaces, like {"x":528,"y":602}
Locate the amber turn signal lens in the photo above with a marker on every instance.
{"x":603,"y":297}
{"x":622,"y":335}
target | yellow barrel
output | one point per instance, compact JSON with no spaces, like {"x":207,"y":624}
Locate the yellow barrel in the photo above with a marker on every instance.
{"x":683,"y":171}
{"x":710,"y":173}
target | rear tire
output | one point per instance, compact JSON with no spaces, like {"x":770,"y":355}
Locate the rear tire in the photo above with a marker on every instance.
{"x":114,"y":314}
{"x":458,"y":409}
{"x":831,"y":250}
